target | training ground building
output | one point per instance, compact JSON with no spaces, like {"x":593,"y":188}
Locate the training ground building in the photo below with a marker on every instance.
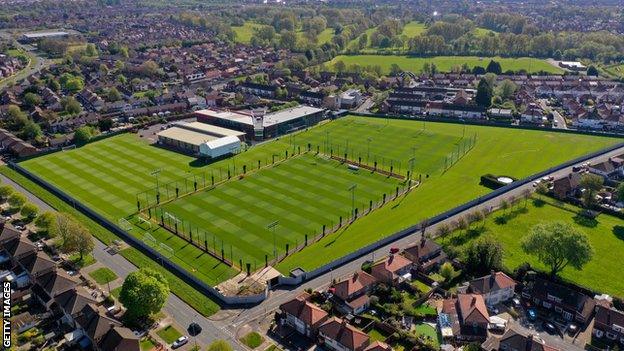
{"x":258,"y":125}
{"x":201,"y":139}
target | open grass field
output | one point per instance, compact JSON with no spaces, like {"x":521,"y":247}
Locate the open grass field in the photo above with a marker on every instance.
{"x":500,"y":151}
{"x":444,"y":63}
{"x":303,"y":194}
{"x":324,"y":36}
{"x":244,"y":32}
{"x":606,"y":235}
{"x":413,"y":29}
{"x":106,"y":176}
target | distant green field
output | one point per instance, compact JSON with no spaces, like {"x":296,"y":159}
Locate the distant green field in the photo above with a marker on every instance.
{"x":414,"y":28}
{"x":606,"y":235}
{"x":445,"y":63}
{"x":244,"y":32}
{"x":481,"y":32}
{"x":325,"y":36}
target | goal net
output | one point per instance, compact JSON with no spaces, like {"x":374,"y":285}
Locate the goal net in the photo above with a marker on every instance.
{"x":125,"y":224}
{"x":166,"y":250}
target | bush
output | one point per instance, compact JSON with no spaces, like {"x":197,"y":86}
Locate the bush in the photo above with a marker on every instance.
{"x":17,"y":200}
{"x":29,"y":211}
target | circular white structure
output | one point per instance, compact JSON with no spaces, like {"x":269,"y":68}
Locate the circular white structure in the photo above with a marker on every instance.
{"x":505,"y":180}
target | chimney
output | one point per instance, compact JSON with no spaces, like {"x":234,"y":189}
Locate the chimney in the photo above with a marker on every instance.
{"x":422,"y":241}
{"x":492,"y":277}
{"x":473,"y":301}
{"x":355,"y":275}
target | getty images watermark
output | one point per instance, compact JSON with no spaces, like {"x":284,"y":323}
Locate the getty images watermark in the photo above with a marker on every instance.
{"x":6,"y":315}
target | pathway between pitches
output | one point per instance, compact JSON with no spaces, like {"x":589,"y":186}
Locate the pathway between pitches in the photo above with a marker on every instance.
{"x":182,"y":313}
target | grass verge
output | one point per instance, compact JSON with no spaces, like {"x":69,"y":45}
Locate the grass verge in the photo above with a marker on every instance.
{"x":169,"y":334}
{"x":252,"y":340}
{"x":103,"y":275}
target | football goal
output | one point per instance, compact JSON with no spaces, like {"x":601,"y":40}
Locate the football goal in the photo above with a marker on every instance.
{"x":125,"y":224}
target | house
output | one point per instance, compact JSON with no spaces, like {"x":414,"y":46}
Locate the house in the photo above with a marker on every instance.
{"x":500,"y":113}
{"x":566,"y":186}
{"x":338,"y":335}
{"x":105,"y":333}
{"x":262,"y":90}
{"x":515,"y":340}
{"x":314,"y":98}
{"x":466,"y":316}
{"x":378,"y":346}
{"x":604,"y":169}
{"x":609,"y":323}
{"x":392,"y":269}
{"x":350,"y":98}
{"x":571,"y":304}
{"x":302,"y":315}
{"x":353,"y":292}
{"x":495,"y":288}
{"x":426,"y":255}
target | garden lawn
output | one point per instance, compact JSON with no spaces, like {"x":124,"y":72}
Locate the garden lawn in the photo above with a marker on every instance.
{"x":444,"y":63}
{"x":147,"y":344}
{"x":169,"y":334}
{"x":427,"y":330}
{"x":500,"y":151}
{"x":606,"y":235}
{"x":103,"y":275}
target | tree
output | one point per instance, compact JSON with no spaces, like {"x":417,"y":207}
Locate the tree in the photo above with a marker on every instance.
{"x":5,"y":192}
{"x":484,"y":94}
{"x":557,"y":245}
{"x":483,"y":256}
{"x":620,"y":192}
{"x":447,"y":271}
{"x":82,"y":135}
{"x":45,"y":221}
{"x":506,"y":89}
{"x":105,"y":124}
{"x":591,"y":184}
{"x":29,"y":211}
{"x":32,"y":99}
{"x":288,"y":40}
{"x":31,"y":130}
{"x":340,"y":66}
{"x":17,"y":200}
{"x":113,"y":94}
{"x":494,"y":67}
{"x":71,"y":105}
{"x":143,"y":293}
{"x":91,"y":50}
{"x":220,"y":345}
{"x":73,"y":236}
{"x":592,"y":71}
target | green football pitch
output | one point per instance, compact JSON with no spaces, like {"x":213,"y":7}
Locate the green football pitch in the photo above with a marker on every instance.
{"x":306,"y":191}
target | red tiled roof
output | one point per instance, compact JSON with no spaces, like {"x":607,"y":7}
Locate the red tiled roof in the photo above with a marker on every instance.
{"x":493,"y":282}
{"x":394,"y":263}
{"x":304,"y":310}
{"x":472,"y":308}
{"x":358,"y":281}
{"x":344,"y":333}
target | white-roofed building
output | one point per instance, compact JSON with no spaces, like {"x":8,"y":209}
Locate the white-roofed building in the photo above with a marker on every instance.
{"x":220,"y":147}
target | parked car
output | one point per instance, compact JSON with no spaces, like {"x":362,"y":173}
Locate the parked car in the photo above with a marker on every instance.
{"x":516,"y":302}
{"x":532,"y":314}
{"x":550,"y":328}
{"x":572,"y":329}
{"x":180,"y":342}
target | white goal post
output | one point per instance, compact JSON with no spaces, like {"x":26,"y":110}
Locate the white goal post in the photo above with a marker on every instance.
{"x":125,"y":224}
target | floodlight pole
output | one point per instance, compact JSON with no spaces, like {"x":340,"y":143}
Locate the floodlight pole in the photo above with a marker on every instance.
{"x":155,"y":173}
{"x":352,"y":189}
{"x":271,"y":227}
